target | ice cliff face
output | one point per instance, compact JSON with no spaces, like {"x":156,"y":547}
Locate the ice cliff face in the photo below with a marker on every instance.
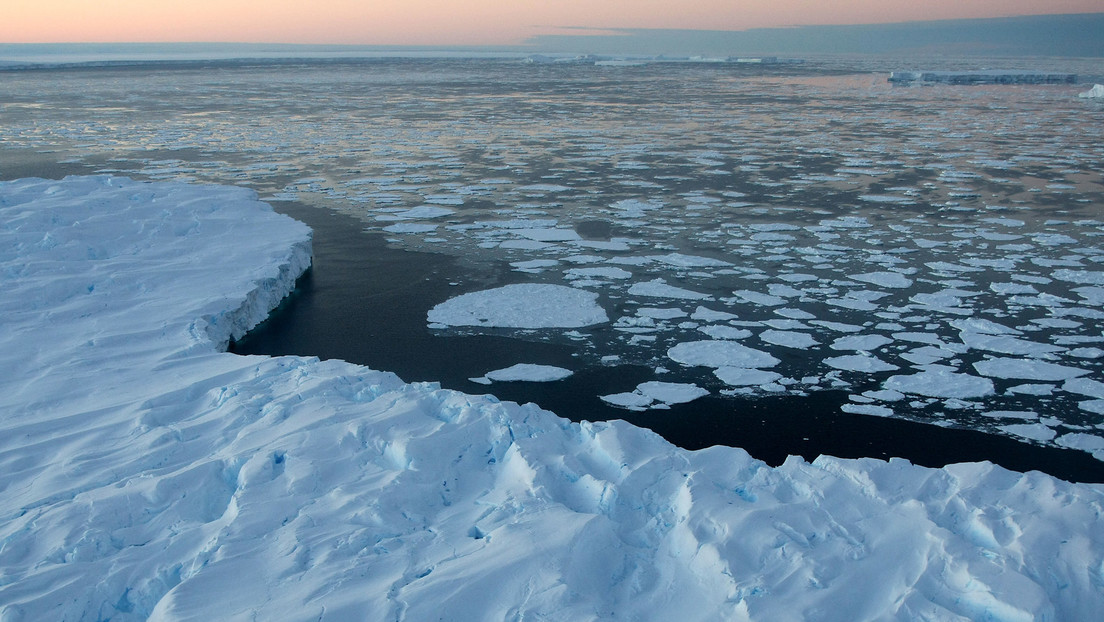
{"x":146,"y":474}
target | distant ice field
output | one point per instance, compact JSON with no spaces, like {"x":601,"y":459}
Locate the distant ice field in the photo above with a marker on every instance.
{"x":742,"y":233}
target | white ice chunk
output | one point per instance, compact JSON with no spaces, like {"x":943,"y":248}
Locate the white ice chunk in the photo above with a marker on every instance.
{"x":867,"y":409}
{"x":548,"y":235}
{"x":658,"y":288}
{"x":894,"y":280}
{"x":526,"y":305}
{"x":942,"y":382}
{"x":409,"y":227}
{"x":788,"y":339}
{"x":1027,"y":369}
{"x":1030,"y":431}
{"x":1097,"y":91}
{"x":759,"y":298}
{"x":725,"y":332}
{"x":1084,"y":277}
{"x":704,"y":314}
{"x":860,"y":362}
{"x":864,"y":343}
{"x":720,"y":354}
{"x":630,"y":399}
{"x":742,"y":376}
{"x":1084,"y":386}
{"x":605,"y":272}
{"x":671,"y":392}
{"x":529,"y":372}
{"x":679,"y":260}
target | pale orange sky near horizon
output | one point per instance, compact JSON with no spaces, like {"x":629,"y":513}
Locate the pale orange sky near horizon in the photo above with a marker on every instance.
{"x":444,"y":22}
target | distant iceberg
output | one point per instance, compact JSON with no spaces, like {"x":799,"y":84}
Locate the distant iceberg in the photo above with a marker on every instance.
{"x":1097,"y":91}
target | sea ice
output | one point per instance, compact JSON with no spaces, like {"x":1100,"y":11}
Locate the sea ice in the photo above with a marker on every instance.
{"x":1097,"y":91}
{"x":529,"y":372}
{"x":658,"y":288}
{"x":741,"y":376}
{"x":865,"y":343}
{"x":1027,"y":369}
{"x":149,"y":475}
{"x":894,"y":280}
{"x":942,"y":382}
{"x":865,"y":363}
{"x":788,"y":339}
{"x":648,"y":394}
{"x":1032,"y":431}
{"x":671,"y":392}
{"x":720,"y":354}
{"x":526,"y":305}
{"x":867,"y":409}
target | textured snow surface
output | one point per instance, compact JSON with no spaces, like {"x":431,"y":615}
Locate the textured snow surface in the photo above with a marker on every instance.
{"x":144,"y":474}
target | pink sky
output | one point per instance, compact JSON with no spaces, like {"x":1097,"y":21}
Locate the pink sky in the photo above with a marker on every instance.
{"x":457,"y":22}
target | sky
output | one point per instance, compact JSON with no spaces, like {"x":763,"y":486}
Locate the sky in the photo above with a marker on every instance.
{"x":459,"y":22}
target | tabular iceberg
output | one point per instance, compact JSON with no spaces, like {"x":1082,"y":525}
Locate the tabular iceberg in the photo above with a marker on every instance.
{"x":145,"y":474}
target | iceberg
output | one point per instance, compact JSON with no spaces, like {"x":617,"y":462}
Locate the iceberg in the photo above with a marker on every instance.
{"x":148,"y":474}
{"x":1097,"y":91}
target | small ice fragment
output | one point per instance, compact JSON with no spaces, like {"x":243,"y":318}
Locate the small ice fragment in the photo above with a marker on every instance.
{"x":1027,"y":369}
{"x":630,"y":400}
{"x":658,"y":288}
{"x":671,"y":392}
{"x":788,"y":339}
{"x":859,"y":362}
{"x":529,"y":372}
{"x":941,"y":381}
{"x":864,"y":343}
{"x":720,"y":354}
{"x":1096,"y":92}
{"x":704,"y":314}
{"x":893,"y":280}
{"x":526,"y":305}
{"x":1031,"y":431}
{"x":1085,"y":386}
{"x":742,"y":376}
{"x":867,"y":409}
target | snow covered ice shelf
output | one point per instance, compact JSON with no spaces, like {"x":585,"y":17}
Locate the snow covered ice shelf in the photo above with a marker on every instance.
{"x":146,"y":474}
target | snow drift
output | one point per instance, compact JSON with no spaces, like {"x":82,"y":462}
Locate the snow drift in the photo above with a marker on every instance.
{"x":146,"y":474}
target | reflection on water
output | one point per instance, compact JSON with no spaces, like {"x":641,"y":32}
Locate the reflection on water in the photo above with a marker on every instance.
{"x":861,"y":233}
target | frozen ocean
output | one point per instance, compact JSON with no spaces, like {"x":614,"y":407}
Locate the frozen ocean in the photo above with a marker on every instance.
{"x":796,"y":273}
{"x":704,"y":239}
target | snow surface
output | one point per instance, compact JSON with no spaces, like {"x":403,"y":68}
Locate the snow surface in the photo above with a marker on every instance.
{"x":146,"y":474}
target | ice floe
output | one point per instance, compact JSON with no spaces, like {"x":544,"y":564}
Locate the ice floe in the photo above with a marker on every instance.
{"x":524,"y":305}
{"x":714,"y":353}
{"x":528,"y":372}
{"x":941,"y":381}
{"x":1027,"y":369}
{"x":656,"y":394}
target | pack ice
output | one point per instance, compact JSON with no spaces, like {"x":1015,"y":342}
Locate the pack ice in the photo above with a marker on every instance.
{"x":147,"y":474}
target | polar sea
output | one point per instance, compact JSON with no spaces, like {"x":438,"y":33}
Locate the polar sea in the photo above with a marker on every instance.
{"x":801,"y":261}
